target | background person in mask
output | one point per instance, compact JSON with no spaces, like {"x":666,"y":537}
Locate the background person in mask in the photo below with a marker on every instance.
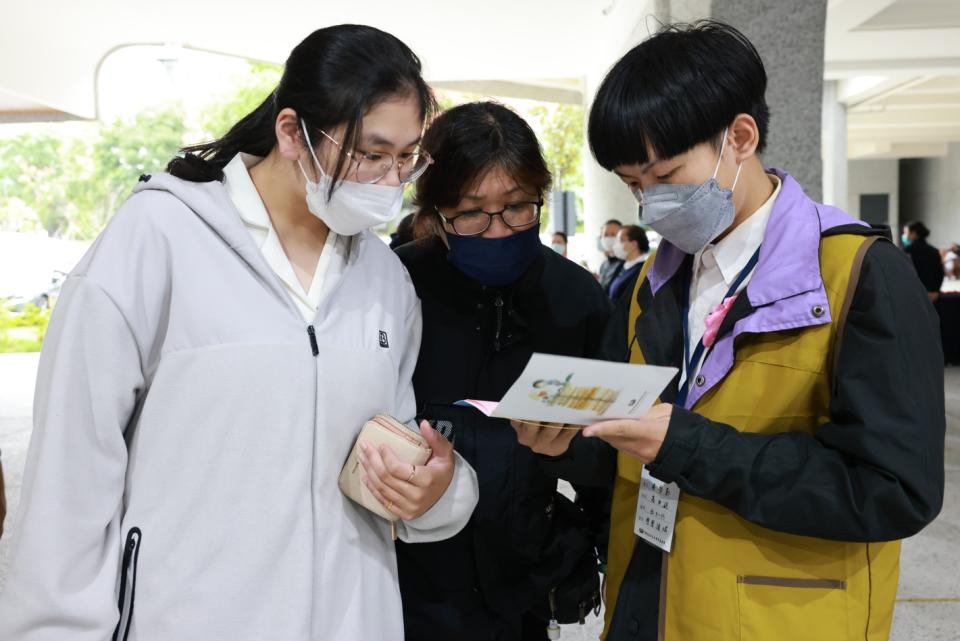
{"x":632,"y":247}
{"x":492,"y":295}
{"x":558,"y":243}
{"x":187,"y":453}
{"x":612,"y":265}
{"x":805,"y":431}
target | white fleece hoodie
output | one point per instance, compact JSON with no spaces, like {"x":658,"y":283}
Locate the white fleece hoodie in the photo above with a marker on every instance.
{"x":189,"y":429}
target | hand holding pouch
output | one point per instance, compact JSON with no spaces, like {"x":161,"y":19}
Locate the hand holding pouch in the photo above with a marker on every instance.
{"x":408,"y":446}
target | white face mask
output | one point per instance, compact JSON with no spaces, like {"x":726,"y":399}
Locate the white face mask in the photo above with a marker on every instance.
{"x":620,"y":251}
{"x":353,"y":207}
{"x":608,"y":243}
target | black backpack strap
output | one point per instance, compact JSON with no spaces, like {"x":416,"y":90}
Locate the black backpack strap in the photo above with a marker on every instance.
{"x":853,"y":229}
{"x":855,"y":268}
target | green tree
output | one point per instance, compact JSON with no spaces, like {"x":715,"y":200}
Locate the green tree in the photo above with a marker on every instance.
{"x":561,"y":134}
{"x":120,"y":153}
{"x":71,"y":185}
{"x":446,"y":100}
{"x":252,"y":89}
{"x":17,"y":215}
{"x":561,"y":129}
{"x":31,"y":174}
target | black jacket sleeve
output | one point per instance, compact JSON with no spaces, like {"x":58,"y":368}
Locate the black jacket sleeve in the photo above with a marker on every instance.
{"x":875,"y":471}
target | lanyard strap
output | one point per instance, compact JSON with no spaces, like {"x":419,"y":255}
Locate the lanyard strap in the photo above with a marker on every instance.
{"x":692,"y":361}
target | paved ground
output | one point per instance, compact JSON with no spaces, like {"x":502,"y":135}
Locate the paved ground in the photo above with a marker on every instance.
{"x":928,"y":607}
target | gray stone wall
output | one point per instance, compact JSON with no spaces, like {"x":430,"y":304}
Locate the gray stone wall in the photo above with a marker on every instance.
{"x":789,"y":36}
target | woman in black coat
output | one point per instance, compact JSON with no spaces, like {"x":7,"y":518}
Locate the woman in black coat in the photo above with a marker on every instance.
{"x":926,"y":258}
{"x":492,"y":295}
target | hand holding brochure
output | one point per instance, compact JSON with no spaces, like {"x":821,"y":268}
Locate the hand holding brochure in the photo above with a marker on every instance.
{"x":578,"y":391}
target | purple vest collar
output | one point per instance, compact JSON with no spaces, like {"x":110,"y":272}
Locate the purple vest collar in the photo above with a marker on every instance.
{"x":786,"y":287}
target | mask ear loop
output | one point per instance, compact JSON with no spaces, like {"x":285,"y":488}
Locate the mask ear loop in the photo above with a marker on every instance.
{"x":737,"y":178}
{"x":313,"y":154}
{"x":723,"y":143}
{"x":717,"y":168}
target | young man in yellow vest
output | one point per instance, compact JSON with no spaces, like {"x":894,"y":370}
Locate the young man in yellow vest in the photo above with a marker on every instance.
{"x":804,"y":433}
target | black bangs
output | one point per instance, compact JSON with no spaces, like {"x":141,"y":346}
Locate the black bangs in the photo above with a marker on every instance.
{"x":676,"y":90}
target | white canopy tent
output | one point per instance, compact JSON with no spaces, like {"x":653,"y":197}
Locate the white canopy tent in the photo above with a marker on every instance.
{"x":52,"y":50}
{"x":894,"y":65}
{"x":895,"y":59}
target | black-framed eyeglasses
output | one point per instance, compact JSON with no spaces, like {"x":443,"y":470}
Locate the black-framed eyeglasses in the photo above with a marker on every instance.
{"x":477,"y":221}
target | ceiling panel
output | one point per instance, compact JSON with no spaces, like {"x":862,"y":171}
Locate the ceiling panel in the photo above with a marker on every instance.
{"x":914,"y":14}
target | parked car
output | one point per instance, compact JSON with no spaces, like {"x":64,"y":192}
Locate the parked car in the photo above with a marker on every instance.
{"x":44,"y":299}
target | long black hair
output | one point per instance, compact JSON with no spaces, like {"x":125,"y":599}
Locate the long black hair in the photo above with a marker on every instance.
{"x":466,"y":142}
{"x":334,"y":77}
{"x":676,"y":90}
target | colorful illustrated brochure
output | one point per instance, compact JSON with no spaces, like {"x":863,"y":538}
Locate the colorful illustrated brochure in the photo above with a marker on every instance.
{"x":578,"y":391}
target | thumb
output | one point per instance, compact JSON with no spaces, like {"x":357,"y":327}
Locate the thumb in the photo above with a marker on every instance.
{"x":442,"y":448}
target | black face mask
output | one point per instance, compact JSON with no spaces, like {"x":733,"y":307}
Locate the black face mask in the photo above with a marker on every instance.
{"x":495,"y":261}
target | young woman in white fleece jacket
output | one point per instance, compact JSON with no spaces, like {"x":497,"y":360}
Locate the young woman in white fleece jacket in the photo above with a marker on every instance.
{"x":206,"y":372}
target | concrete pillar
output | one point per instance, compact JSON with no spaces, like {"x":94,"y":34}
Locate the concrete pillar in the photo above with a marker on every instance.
{"x":688,"y":10}
{"x":604,"y":195}
{"x":834,"y":147}
{"x":790,"y":39}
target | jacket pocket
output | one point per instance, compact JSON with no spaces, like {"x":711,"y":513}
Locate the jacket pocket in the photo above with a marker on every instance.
{"x":791,"y":354}
{"x":128,"y":583}
{"x":792,"y":609}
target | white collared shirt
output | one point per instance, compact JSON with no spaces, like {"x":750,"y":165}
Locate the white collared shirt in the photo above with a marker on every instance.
{"x":333,"y":258}
{"x":627,"y":264}
{"x":716,"y":266}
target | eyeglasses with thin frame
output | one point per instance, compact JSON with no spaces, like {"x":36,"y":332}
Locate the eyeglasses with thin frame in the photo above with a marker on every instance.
{"x":372,"y":166}
{"x":476,"y":221}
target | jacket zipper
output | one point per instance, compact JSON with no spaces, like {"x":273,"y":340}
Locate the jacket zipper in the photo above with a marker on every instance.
{"x":498,"y":303}
{"x":312,"y":333}
{"x":128,"y":584}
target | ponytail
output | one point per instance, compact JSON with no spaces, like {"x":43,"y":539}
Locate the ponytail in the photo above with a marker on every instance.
{"x":254,"y":134}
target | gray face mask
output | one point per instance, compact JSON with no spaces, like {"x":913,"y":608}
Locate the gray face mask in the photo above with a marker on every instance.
{"x":689,"y":216}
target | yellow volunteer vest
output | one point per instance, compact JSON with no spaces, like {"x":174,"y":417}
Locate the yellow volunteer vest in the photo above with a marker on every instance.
{"x":730,"y":580}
